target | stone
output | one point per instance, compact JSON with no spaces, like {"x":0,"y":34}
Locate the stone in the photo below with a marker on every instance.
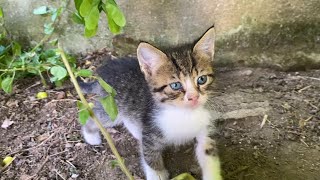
{"x":271,"y":33}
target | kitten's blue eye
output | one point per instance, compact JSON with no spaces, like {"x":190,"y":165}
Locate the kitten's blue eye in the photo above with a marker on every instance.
{"x":202,"y":80}
{"x":176,"y":86}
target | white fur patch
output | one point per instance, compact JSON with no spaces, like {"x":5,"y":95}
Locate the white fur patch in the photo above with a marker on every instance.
{"x":210,"y":165}
{"x":151,"y":174}
{"x":181,"y":125}
{"x":134,"y":128}
{"x":92,"y":138}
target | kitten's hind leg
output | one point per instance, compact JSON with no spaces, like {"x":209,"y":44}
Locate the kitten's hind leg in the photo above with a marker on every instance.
{"x":151,"y":154}
{"x":91,"y":133}
{"x":207,"y":155}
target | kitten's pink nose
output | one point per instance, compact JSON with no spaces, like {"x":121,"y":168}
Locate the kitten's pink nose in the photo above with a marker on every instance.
{"x":193,"y":97}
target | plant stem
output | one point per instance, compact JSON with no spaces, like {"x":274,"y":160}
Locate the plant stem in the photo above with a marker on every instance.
{"x":93,"y":116}
{"x":13,"y":70}
{"x":56,"y":21}
{"x":43,"y":80}
{"x":43,"y":40}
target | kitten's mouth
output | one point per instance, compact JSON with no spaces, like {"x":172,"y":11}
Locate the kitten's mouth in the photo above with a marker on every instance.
{"x":193,"y":104}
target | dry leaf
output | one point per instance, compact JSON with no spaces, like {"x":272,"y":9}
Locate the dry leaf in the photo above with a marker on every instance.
{"x":6,"y":123}
{"x":25,"y":177}
{"x":61,"y":95}
{"x":42,"y":137}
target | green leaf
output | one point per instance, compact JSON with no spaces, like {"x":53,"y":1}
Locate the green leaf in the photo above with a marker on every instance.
{"x":85,"y":8}
{"x":115,"y":14}
{"x":114,"y":28}
{"x":42,"y":95}
{"x":1,"y":12}
{"x":78,"y":3}
{"x":83,"y":113}
{"x":48,"y":28}
{"x":5,"y":50}
{"x":16,"y":49}
{"x":77,"y":18}
{"x":2,"y":49}
{"x":91,"y":21}
{"x":96,"y":2}
{"x":109,"y":106}
{"x":59,"y":83}
{"x":89,"y":33}
{"x":58,"y":73}
{"x":71,"y":59}
{"x":6,"y":84}
{"x":6,"y":162}
{"x":84,"y":73}
{"x":107,"y":87}
{"x":184,"y":176}
{"x":114,"y":163}
{"x":41,"y":10}
{"x":111,"y":2}
{"x":56,"y":13}
{"x":54,"y":42}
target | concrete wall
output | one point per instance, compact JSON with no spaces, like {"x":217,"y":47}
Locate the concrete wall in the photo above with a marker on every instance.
{"x":278,"y":33}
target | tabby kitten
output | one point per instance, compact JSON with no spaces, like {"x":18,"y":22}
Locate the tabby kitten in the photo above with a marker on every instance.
{"x":163,"y":100}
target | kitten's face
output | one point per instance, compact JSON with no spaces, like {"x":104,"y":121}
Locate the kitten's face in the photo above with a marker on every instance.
{"x":180,"y":78}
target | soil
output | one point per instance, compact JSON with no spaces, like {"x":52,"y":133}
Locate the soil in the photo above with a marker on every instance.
{"x":46,"y":143}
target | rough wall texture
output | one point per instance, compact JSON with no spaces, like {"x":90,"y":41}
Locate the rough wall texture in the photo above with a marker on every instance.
{"x":277,"y":33}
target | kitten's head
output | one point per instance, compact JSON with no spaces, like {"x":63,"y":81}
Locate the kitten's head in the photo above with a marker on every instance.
{"x":180,"y":78}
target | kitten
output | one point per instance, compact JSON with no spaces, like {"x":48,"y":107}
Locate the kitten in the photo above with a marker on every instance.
{"x":163,"y":100}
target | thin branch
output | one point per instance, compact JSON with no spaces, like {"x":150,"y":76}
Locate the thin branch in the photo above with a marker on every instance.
{"x":93,"y":116}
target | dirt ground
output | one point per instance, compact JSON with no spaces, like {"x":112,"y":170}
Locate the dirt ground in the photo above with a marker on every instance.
{"x":46,"y":143}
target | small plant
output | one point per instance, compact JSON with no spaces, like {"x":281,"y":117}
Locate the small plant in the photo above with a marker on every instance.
{"x":15,"y":63}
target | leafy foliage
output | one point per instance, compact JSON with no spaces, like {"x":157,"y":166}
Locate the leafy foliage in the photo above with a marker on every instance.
{"x":83,"y":113}
{"x":88,"y":14}
{"x":16,"y":63}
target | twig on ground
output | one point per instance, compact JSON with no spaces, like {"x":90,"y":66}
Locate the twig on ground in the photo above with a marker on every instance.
{"x":33,"y":85}
{"x":71,"y":164}
{"x":58,"y":153}
{"x":303,"y":122}
{"x":312,"y":105}
{"x":305,"y":88}
{"x":304,"y":142}
{"x":59,"y":100}
{"x":304,"y":77}
{"x":265,"y":117}
{"x":59,"y":174}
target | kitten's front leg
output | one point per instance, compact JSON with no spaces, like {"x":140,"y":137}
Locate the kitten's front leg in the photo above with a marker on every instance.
{"x":207,"y":155}
{"x":152,"y":160}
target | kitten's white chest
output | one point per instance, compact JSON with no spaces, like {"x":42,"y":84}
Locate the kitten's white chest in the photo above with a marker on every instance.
{"x":181,"y":125}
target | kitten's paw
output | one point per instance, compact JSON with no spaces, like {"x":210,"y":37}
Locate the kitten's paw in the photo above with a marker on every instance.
{"x":216,"y":177}
{"x":152,"y":174}
{"x":92,"y":138}
{"x":158,"y":175}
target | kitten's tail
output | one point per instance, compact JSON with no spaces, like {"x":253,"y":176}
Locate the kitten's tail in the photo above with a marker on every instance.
{"x":92,"y":87}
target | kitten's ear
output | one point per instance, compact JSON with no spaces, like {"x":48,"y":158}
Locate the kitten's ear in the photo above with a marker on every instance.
{"x":150,"y":58}
{"x":205,"y":46}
